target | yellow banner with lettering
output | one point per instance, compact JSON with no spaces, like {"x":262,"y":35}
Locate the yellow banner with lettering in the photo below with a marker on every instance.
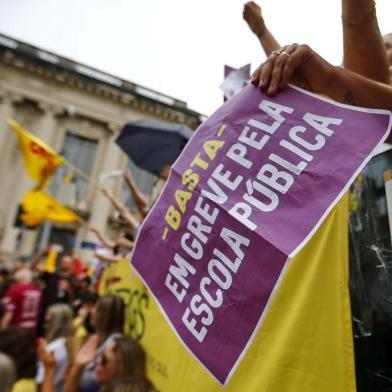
{"x":305,"y":343}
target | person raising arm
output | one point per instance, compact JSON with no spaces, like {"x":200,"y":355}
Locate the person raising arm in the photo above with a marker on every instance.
{"x":137,"y":195}
{"x":130,"y":220}
{"x":253,"y":16}
{"x":102,"y":237}
{"x":363,"y":46}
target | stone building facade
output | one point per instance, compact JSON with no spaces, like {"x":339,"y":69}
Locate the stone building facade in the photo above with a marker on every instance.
{"x":79,"y":111}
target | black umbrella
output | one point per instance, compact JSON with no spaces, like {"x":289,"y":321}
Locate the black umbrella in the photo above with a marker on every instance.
{"x":153,"y":144}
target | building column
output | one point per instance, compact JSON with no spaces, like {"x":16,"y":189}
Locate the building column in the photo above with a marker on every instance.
{"x":45,"y":129}
{"x":7,"y":141}
{"x":18,"y":187}
{"x":7,"y":110}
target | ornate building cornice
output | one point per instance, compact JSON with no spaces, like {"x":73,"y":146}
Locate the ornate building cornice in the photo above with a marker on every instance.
{"x":48,"y":66}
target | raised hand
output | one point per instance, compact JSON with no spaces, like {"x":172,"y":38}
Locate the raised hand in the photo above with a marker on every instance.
{"x":253,"y":16}
{"x":297,"y":64}
{"x":87,"y":352}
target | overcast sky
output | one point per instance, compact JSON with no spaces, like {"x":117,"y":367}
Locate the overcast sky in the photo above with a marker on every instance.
{"x":178,"y":47}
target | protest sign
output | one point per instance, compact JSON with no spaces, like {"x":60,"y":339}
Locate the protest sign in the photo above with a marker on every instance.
{"x":248,"y":192}
{"x":305,"y":343}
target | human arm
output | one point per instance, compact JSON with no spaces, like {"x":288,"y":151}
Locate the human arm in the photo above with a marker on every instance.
{"x":125,"y":243}
{"x":85,"y":356}
{"x":302,"y":64}
{"x":6,"y":320}
{"x":9,"y":305}
{"x":37,"y":258}
{"x":72,"y":381}
{"x":122,"y":209}
{"x":108,"y":258}
{"x":105,"y":240}
{"x":48,"y":384}
{"x":49,"y":362}
{"x":363,"y":46}
{"x":137,"y":195}
{"x":253,"y":16}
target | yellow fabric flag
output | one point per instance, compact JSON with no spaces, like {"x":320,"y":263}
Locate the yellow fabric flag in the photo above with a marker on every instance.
{"x":305,"y":343}
{"x":39,"y":206}
{"x":40,"y":160}
{"x":50,"y":262}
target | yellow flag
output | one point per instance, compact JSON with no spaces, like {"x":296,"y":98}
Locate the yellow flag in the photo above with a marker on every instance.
{"x":39,"y":206}
{"x":40,"y":160}
{"x":50,"y":262}
{"x":305,"y":343}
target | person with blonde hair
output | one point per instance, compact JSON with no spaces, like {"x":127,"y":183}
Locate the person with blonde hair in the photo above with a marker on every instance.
{"x":122,"y":357}
{"x":58,"y":328}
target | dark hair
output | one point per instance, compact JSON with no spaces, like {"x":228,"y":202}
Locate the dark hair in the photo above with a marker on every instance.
{"x":5,"y":272}
{"x":86,"y":279}
{"x":129,"y":384}
{"x":88,"y":297}
{"x":116,"y":250}
{"x":19,"y":344}
{"x":110,"y":315}
{"x":130,"y":357}
{"x":129,"y":235}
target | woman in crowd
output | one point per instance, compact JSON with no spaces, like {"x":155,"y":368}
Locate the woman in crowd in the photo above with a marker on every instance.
{"x":58,"y":327}
{"x":107,"y":317}
{"x":122,"y":357}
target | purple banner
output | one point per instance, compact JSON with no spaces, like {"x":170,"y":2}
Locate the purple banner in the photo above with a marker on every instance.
{"x":251,"y":187}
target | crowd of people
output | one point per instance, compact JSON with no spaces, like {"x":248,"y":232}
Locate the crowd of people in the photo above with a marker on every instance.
{"x":57,"y":333}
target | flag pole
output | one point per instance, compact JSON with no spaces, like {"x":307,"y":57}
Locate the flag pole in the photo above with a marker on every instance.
{"x":81,"y":173}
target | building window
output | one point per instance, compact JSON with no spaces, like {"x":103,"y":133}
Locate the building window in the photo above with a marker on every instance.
{"x":70,"y":188}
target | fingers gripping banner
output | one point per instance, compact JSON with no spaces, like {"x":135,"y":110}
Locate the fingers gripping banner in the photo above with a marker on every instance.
{"x":248,"y":192}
